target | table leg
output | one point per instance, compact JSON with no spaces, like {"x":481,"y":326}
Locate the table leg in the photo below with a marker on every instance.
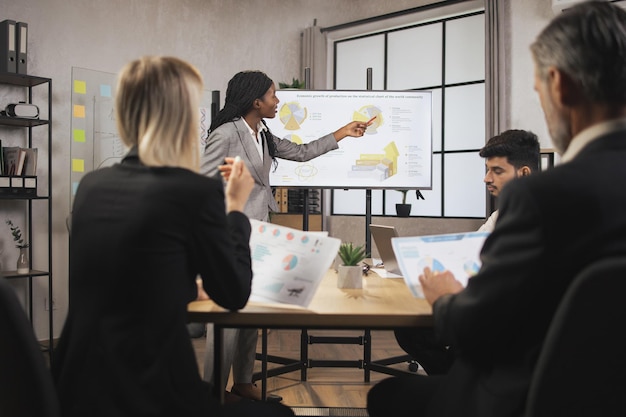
{"x":264,"y":364}
{"x":218,"y":346}
{"x":304,"y":353}
{"x":367,"y":354}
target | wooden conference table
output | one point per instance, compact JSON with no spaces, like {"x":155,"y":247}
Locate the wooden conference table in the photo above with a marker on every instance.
{"x":382,"y":304}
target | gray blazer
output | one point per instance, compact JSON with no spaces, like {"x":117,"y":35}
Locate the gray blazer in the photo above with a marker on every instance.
{"x":233,"y":139}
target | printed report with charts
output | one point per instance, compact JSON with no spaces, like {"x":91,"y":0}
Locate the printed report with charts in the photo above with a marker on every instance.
{"x":457,"y":252}
{"x":288,"y":264}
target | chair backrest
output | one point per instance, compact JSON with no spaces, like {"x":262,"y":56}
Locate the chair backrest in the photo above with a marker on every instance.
{"x":26,"y":387}
{"x":581,"y":369}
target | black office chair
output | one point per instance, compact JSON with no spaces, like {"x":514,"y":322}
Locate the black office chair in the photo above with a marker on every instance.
{"x":26,"y":387}
{"x":581,"y":370}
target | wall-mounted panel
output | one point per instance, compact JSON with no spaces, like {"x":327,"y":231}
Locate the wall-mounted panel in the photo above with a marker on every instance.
{"x":465,"y":49}
{"x":465,"y":117}
{"x":437,"y":119}
{"x":464,"y":193}
{"x":414,"y":57}
{"x":354,"y":57}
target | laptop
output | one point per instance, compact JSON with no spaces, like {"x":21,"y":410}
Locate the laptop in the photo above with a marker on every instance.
{"x":382,"y":237}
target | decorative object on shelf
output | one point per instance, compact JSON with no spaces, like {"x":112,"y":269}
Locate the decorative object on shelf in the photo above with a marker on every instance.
{"x":22,"y":109}
{"x":403,"y":209}
{"x":350,"y":273}
{"x":295,"y":83}
{"x":23,"y":264}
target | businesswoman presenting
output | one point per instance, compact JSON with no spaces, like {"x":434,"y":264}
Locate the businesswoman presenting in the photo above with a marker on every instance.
{"x":239,"y":130}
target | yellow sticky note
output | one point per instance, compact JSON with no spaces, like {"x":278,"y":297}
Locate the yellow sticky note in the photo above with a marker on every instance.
{"x":78,"y":165}
{"x":79,"y":111}
{"x":79,"y":135}
{"x":80,"y":87}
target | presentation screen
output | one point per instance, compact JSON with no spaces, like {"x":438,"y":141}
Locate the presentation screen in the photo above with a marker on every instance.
{"x":395,"y":152}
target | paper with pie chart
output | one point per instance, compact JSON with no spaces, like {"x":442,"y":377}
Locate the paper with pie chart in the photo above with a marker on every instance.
{"x":288,"y":264}
{"x":395,"y":151}
{"x":456,"y":252}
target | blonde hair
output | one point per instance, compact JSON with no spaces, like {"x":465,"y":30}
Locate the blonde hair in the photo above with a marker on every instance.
{"x":157,"y":109}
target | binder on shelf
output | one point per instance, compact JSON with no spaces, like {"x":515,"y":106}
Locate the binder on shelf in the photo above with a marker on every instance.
{"x":8,"y":58}
{"x":11,"y":155}
{"x":284,"y":206}
{"x":20,"y":161}
{"x":30,"y":162}
{"x":278,"y":197}
{"x":21,"y":46}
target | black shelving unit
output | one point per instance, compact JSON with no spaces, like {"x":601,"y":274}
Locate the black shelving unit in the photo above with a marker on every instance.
{"x":42,"y":196}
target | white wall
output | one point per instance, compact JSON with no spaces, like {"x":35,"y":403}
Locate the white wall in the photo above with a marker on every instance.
{"x":526,"y":19}
{"x":221,"y":37}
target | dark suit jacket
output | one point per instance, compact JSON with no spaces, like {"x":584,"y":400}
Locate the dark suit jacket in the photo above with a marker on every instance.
{"x":233,"y":139}
{"x":139,"y":238}
{"x":551,"y":225}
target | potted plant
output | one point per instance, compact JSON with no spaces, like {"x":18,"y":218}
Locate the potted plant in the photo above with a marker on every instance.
{"x":295,"y":83}
{"x":23,"y":265}
{"x":350,"y":272}
{"x":403,"y":209}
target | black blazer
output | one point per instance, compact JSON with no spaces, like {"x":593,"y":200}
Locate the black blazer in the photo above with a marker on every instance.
{"x":139,"y":238}
{"x":551,"y":225}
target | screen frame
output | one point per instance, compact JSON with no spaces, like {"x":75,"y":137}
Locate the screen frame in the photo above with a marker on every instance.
{"x":404,"y":102}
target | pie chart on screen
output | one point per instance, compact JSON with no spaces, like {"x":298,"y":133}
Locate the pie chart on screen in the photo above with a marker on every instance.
{"x":292,"y":115}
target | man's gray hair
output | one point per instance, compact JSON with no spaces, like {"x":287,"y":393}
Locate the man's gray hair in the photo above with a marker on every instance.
{"x":588,"y":43}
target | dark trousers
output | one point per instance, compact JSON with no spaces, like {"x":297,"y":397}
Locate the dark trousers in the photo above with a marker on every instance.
{"x":405,"y":396}
{"x":421,"y":344}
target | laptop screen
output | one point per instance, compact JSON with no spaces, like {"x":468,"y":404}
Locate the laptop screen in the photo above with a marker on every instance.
{"x":382,"y":237}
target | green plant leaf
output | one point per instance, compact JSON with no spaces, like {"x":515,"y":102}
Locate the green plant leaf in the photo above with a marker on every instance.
{"x":17,"y":234}
{"x":350,"y":254}
{"x":295,"y":83}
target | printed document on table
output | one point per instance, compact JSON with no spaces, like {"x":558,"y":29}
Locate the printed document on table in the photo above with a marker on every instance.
{"x":288,"y":264}
{"x":457,"y":252}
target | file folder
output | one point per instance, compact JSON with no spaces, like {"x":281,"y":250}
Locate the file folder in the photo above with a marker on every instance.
{"x":7,"y":46}
{"x":21,"y":46}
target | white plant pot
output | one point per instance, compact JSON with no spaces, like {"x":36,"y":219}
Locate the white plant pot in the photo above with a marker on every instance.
{"x":350,"y":277}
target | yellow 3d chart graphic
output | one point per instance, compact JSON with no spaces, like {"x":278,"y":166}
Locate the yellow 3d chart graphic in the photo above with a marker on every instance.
{"x":378,"y":166}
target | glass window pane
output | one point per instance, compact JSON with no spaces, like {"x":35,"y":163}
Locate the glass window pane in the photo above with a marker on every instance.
{"x":377,"y":202}
{"x":414,"y":57}
{"x":464,"y":117}
{"x":355,"y":201}
{"x":354,"y":57}
{"x":348,"y":202}
{"x":465,"y":49}
{"x":437,"y":110}
{"x":465,"y":194}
